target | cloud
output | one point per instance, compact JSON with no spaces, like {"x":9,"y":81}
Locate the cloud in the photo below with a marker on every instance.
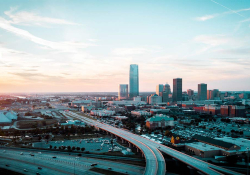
{"x":29,"y":18}
{"x":69,"y":46}
{"x":208,"y":17}
{"x":93,"y":40}
{"x":36,"y":76}
{"x":237,"y":51}
{"x":245,"y":62}
{"x":129,"y":51}
{"x":212,"y":40}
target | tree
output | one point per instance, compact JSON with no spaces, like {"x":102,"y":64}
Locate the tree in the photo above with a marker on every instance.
{"x":232,"y":159}
{"x":50,"y":146}
{"x":73,"y":148}
{"x":55,"y":147}
{"x":82,"y":149}
{"x":78,"y":148}
{"x":69,"y":148}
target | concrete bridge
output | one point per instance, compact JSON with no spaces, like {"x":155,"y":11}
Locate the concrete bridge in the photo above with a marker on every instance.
{"x":155,"y":162}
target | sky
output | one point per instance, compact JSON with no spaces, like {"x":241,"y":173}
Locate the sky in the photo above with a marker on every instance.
{"x":88,"y":45}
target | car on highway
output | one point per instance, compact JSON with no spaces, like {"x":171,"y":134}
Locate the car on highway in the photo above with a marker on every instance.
{"x":4,"y":151}
{"x":7,"y":165}
{"x":94,"y":164}
{"x":21,"y":153}
{"x":54,"y":157}
{"x":25,"y":170}
{"x":32,"y":155}
{"x":109,"y":168}
{"x":39,"y":168}
{"x":37,"y":173}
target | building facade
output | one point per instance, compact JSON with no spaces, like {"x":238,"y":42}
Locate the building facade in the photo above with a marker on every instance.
{"x":159,"y":121}
{"x":133,"y":81}
{"x":202,"y":91}
{"x":177,"y":89}
{"x":154,"y":99}
{"x":123,"y":92}
{"x":159,"y":89}
{"x":190,"y":93}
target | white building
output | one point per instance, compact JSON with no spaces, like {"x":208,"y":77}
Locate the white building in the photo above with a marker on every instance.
{"x":126,"y":102}
{"x":154,"y":99}
{"x":141,"y":113}
{"x":119,"y":117}
{"x":4,"y":120}
{"x":102,"y":113}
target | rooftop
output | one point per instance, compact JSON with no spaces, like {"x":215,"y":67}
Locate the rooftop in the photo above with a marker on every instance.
{"x":160,"y":117}
{"x":214,"y":142}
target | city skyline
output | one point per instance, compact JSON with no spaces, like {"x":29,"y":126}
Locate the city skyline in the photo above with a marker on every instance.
{"x":90,"y":48}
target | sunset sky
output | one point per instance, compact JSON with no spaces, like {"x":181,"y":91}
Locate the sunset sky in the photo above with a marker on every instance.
{"x":88,"y":45}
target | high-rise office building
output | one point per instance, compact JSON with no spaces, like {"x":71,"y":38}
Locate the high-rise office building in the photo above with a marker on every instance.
{"x":166,"y":92}
{"x":202,"y":91}
{"x":167,"y":88}
{"x":159,"y":89}
{"x":133,"y":81}
{"x":216,"y":94}
{"x":190,"y":93}
{"x":123,"y":91}
{"x":213,"y":94}
{"x":209,"y":94}
{"x":177,"y":89}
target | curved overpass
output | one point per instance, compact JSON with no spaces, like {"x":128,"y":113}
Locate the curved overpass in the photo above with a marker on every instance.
{"x":155,"y":161}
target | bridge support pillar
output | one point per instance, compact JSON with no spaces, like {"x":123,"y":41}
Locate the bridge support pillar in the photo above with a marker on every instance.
{"x":129,"y":145}
{"x":177,"y":163}
{"x":142,"y":155}
{"x":137,"y":149}
{"x":192,"y":171}
{"x":198,"y":172}
{"x":122,"y":141}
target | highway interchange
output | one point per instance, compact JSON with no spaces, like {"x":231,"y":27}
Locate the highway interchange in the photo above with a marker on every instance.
{"x":20,"y":160}
{"x":154,"y":159}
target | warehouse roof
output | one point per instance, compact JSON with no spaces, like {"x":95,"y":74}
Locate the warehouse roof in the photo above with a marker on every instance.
{"x":211,"y":141}
{"x":4,"y":119}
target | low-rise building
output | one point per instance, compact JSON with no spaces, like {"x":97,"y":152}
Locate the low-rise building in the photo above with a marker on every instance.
{"x":140,"y":113}
{"x":102,"y":113}
{"x":207,"y":147}
{"x":159,"y":121}
{"x":120,"y":117}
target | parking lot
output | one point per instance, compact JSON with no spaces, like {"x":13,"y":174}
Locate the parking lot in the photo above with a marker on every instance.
{"x":96,"y":145}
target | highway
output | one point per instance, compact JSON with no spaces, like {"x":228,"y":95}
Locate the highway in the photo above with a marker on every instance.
{"x":152,"y":148}
{"x":62,"y":164}
{"x":154,"y":159}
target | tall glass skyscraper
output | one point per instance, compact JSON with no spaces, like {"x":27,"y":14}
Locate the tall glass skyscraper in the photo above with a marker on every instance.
{"x":133,"y":81}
